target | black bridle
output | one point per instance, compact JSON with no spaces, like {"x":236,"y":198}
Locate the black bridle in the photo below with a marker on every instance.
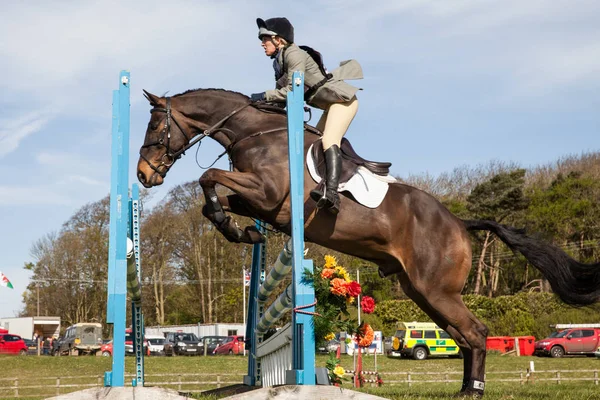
{"x":164,"y":140}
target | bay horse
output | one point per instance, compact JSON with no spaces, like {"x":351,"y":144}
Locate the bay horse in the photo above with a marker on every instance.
{"x":410,"y":234}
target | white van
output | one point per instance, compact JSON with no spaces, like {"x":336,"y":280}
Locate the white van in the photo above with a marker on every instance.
{"x":156,"y":344}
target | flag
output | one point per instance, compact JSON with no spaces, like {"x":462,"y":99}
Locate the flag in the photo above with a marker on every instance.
{"x":5,"y":282}
{"x":247,"y":278}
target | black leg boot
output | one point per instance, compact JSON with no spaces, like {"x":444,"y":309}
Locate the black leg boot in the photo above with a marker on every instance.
{"x":331,"y":199}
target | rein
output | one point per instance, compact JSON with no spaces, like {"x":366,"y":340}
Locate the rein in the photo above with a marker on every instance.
{"x":170,"y":156}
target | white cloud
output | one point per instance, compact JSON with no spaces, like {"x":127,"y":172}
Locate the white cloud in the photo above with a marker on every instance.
{"x":86,"y":180}
{"x":13,"y":131}
{"x":32,"y":195}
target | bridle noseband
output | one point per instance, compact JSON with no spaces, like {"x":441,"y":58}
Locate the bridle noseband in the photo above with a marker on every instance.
{"x":170,"y":156}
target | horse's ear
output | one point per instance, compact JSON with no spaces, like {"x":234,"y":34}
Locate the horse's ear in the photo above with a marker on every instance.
{"x":154,"y":100}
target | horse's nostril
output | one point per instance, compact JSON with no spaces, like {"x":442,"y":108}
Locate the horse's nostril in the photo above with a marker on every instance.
{"x":141,"y":177}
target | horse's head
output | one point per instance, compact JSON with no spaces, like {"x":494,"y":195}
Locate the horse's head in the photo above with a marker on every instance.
{"x":178,"y":123}
{"x":164,"y":138}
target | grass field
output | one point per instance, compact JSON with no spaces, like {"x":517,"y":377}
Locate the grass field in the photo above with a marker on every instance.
{"x":44,"y":371}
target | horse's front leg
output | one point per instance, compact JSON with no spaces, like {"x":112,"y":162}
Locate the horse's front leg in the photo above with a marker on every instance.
{"x":246,"y":186}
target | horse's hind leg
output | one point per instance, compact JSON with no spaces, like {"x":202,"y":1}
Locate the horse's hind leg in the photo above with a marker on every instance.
{"x":442,"y":302}
{"x":470,"y":332}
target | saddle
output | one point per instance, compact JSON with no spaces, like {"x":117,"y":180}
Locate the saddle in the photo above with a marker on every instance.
{"x":350,"y":161}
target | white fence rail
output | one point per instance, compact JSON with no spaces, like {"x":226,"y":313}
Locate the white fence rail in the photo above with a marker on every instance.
{"x":522,"y":377}
{"x":14,"y":388}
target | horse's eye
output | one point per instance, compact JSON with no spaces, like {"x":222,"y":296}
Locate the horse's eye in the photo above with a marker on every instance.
{"x":152,"y":126}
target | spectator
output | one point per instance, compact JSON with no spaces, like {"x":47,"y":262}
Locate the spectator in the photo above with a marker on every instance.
{"x":46,"y":346}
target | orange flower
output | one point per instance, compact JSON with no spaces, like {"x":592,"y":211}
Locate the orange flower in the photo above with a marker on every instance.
{"x":365,"y":335}
{"x":327,"y":273}
{"x":338,"y":287}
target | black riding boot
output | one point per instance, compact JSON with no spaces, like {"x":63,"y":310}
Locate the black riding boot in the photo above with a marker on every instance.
{"x":333,"y":167}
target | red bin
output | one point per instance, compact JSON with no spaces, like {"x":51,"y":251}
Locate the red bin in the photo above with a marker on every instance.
{"x":526,"y":345}
{"x":510,"y":343}
{"x":500,"y":343}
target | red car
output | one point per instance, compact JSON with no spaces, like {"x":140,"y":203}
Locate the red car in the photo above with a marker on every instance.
{"x":12,"y":344}
{"x":569,"y":341}
{"x":107,"y":349}
{"x":231,"y":345}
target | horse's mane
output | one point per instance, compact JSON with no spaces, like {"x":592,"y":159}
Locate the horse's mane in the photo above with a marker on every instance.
{"x":199,"y":91}
{"x":264,"y":107}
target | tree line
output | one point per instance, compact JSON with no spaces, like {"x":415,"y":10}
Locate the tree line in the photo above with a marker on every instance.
{"x":191,"y":274}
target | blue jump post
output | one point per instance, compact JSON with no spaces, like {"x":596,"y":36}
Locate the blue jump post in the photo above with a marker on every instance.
{"x":303,"y":337}
{"x":124,"y":222}
{"x":303,"y":341}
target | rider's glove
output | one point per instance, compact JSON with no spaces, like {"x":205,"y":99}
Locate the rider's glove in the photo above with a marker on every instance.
{"x":258,"y":96}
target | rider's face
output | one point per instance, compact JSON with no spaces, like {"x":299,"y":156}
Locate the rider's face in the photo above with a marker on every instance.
{"x":268,"y":44}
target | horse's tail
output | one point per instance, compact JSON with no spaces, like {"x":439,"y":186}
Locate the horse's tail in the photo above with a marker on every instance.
{"x":575,"y":283}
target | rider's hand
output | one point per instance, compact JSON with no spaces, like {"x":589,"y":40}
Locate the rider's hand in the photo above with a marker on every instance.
{"x":258,"y":96}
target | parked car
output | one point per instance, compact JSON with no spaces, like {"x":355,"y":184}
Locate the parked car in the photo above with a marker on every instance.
{"x":181,"y":343}
{"x":231,"y":345}
{"x":79,"y":339}
{"x":328,"y":347}
{"x":420,"y":340}
{"x":31,"y":346}
{"x":583,"y":341}
{"x":129,"y":344}
{"x":387,"y":345}
{"x":211,"y":343}
{"x":107,"y":349}
{"x":12,"y":344}
{"x":156,"y":345}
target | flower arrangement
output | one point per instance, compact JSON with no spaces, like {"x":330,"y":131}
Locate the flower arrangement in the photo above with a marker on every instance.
{"x":336,"y":371}
{"x":335,"y":290}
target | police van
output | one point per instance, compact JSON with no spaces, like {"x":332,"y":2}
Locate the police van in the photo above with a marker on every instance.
{"x":420,"y":340}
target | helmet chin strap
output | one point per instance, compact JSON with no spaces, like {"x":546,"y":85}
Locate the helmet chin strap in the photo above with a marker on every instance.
{"x":277,"y":47}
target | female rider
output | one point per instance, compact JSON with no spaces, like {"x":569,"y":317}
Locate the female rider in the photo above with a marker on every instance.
{"x":323,"y":90}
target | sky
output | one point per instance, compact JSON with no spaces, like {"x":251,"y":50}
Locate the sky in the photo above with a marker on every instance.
{"x":447,"y":83}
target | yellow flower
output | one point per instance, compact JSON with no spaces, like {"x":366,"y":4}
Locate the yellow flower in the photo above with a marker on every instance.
{"x":339,"y":371}
{"x":341,"y":271}
{"x":330,"y":336}
{"x":330,"y":262}
{"x":350,"y":300}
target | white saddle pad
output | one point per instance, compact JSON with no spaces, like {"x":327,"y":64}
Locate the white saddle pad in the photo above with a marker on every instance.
{"x":367,"y":188}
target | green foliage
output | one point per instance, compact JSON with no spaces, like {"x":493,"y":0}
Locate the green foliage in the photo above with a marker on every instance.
{"x":372,"y":285}
{"x":498,"y":197}
{"x":457,"y":207}
{"x":568,"y":208}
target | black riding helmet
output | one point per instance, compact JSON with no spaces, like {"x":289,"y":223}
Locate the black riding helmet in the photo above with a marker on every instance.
{"x":275,"y":27}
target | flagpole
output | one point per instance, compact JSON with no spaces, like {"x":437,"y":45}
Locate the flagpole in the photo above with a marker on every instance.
{"x":244,"y":307}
